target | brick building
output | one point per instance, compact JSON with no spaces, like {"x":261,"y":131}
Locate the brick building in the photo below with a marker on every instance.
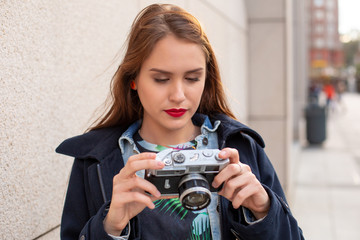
{"x":325,"y":48}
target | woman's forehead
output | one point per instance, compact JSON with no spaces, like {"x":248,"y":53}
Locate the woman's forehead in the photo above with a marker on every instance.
{"x":171,"y":52}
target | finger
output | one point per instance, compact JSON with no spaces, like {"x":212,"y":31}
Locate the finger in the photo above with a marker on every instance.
{"x":140,"y":162}
{"x":131,"y":197}
{"x":233,"y":185}
{"x":142,"y":156}
{"x":230,"y":153}
{"x":132,"y":167}
{"x":228,"y":172}
{"x":230,"y":187}
{"x":169,"y":196}
{"x":239,"y":198}
{"x":126,"y":185}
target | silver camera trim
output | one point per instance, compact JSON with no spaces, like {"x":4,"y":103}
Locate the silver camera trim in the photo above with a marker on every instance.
{"x":196,"y":161}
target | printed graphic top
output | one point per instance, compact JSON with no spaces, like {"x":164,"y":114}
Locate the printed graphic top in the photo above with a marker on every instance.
{"x":177,"y":222}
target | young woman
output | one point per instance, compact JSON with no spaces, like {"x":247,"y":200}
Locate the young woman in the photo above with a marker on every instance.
{"x":167,"y":94}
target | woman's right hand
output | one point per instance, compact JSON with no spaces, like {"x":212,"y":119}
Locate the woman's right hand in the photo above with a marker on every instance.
{"x":128,"y":195}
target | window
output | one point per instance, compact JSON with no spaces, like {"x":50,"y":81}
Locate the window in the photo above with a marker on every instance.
{"x":319,"y":29}
{"x":319,"y":3}
{"x":319,"y":42}
{"x":330,"y":42}
{"x":331,"y":29}
{"x":330,"y":16}
{"x":319,"y":14}
{"x":330,"y":4}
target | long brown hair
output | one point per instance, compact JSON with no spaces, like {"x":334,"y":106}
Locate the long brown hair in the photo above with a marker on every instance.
{"x":152,"y":24}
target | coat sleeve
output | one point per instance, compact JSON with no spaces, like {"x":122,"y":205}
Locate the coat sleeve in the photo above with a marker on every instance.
{"x":76,"y":222}
{"x":279,"y":223}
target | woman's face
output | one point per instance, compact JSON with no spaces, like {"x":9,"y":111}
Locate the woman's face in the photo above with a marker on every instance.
{"x":170,"y":84}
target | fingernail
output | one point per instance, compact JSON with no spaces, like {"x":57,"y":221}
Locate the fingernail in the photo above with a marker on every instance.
{"x":157,"y":194}
{"x":160,"y":163}
{"x":222,"y":153}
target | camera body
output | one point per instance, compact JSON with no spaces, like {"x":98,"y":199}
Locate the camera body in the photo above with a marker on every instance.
{"x":187,"y":174}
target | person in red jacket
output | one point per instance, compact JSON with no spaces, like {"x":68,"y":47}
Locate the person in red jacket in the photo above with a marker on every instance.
{"x":330,"y":93}
{"x":167,"y":95}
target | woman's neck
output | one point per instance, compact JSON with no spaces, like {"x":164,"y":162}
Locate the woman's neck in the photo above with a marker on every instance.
{"x":169,"y":137}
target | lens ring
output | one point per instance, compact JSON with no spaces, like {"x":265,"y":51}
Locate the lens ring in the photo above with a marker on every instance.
{"x":194,"y":192}
{"x":200,"y":203}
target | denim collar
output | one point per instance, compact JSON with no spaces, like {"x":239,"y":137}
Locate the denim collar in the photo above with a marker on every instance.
{"x":206,"y":127}
{"x":127,"y":136}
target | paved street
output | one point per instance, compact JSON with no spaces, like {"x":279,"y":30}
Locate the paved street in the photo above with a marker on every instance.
{"x":327,"y":189}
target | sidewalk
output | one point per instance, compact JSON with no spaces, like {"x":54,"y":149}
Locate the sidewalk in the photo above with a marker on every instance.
{"x":327,"y":185}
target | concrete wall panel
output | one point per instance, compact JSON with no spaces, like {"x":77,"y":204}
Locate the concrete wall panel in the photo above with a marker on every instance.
{"x":274,"y":135}
{"x":227,"y":32}
{"x":270,"y":78}
{"x":265,"y":9}
{"x":267,"y":70}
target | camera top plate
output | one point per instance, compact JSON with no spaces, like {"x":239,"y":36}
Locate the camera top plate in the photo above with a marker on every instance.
{"x":190,"y":161}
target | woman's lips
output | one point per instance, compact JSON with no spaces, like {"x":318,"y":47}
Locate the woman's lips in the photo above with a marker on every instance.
{"x":176,"y":112}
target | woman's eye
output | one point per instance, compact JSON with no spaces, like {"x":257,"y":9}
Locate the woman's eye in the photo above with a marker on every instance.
{"x":161,"y":79}
{"x":192,"y":79}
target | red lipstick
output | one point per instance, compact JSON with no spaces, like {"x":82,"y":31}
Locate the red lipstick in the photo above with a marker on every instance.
{"x":176,"y":112}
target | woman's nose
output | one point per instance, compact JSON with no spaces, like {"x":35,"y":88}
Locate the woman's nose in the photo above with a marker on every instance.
{"x":177,"y":92}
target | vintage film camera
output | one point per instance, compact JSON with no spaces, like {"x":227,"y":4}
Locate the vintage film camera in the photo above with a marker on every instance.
{"x":188,"y":174}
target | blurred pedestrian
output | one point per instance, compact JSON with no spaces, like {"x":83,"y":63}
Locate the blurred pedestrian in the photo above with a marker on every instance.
{"x":330,"y":93}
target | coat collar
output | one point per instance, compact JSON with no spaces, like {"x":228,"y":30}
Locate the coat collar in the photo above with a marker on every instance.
{"x":230,"y":126}
{"x":94,"y":144}
{"x":98,"y":144}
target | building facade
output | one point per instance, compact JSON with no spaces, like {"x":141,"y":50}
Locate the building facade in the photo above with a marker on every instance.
{"x":326,"y":54}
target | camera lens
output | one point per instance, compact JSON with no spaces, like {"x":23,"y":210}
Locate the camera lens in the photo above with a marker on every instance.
{"x":195,"y":199}
{"x":194,"y":192}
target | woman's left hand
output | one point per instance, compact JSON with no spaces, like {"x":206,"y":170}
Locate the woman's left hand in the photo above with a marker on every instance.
{"x":241,"y":186}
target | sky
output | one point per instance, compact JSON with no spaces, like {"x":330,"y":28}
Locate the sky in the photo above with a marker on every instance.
{"x":349,"y":15}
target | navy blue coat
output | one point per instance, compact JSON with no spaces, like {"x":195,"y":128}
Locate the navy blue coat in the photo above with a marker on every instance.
{"x":98,"y":159}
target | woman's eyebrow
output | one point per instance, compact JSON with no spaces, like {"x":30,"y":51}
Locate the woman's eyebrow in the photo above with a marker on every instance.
{"x":159,"y":70}
{"x":195,"y":70}
{"x":167,"y":72}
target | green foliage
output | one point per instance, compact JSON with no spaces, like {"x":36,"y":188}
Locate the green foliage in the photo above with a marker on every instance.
{"x":357,"y":74}
{"x":173,"y":205}
{"x":350,"y":49}
{"x":200,"y":226}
